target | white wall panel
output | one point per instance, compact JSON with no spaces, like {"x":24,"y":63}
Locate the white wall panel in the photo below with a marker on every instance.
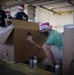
{"x":45,"y":15}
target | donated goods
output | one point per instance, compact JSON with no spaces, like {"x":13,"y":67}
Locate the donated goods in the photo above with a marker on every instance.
{"x":5,"y":56}
{"x":57,"y":68}
{"x":33,"y":62}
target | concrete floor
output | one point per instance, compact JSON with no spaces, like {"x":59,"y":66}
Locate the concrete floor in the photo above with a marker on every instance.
{"x":4,"y":70}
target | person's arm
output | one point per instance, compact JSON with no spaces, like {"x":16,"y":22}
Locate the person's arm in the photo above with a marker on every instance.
{"x":37,"y":45}
{"x":26,"y":18}
{"x":32,"y":41}
{"x":5,"y":18}
{"x":6,"y":22}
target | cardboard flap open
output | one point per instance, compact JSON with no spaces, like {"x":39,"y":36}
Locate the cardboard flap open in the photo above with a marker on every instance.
{"x":24,"y":24}
{"x":4,"y":33}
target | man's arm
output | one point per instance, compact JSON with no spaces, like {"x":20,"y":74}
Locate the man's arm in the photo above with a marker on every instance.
{"x":6,"y":22}
{"x":32,"y":41}
{"x":37,"y":45}
{"x":5,"y":18}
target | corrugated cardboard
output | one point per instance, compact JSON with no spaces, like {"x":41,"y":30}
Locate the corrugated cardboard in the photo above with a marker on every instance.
{"x":18,"y":39}
{"x":4,"y":36}
{"x":68,"y":53}
{"x":9,"y":49}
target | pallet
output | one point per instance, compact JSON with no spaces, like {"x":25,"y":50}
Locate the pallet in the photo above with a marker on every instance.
{"x":24,"y":68}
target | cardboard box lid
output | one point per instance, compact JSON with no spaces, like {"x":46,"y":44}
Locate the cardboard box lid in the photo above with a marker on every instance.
{"x":24,"y":24}
{"x":69,"y":26}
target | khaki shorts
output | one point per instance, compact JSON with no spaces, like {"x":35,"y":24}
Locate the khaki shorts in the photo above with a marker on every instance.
{"x":57,"y":53}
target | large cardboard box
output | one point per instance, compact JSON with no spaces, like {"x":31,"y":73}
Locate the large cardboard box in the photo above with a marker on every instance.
{"x":22,"y":49}
{"x":68,"y":53}
{"x":5,"y":32}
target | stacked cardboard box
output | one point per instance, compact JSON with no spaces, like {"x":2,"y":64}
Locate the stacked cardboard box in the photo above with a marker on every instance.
{"x":68,"y":53}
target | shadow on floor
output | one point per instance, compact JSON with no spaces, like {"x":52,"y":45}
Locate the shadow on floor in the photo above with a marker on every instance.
{"x":4,"y":70}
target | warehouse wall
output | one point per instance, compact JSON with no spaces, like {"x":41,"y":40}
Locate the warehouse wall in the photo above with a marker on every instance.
{"x":55,"y":19}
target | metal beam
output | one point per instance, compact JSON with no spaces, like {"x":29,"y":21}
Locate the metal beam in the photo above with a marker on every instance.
{"x":34,"y":2}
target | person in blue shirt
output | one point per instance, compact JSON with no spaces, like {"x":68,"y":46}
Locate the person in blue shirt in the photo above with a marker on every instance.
{"x":52,"y":46}
{"x":20,"y":15}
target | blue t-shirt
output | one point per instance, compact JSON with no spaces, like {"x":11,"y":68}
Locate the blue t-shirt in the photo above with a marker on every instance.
{"x":55,"y":39}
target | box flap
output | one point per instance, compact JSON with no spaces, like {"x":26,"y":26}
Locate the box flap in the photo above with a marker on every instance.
{"x":24,"y":24}
{"x":4,"y":33}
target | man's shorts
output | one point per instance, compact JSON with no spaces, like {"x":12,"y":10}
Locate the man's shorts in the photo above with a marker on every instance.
{"x":57,"y":53}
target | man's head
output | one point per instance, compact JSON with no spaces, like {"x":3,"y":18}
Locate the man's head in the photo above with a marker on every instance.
{"x":45,"y":28}
{"x":21,"y":7}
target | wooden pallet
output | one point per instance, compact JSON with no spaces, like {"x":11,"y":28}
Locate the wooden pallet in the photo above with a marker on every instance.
{"x":24,"y":68}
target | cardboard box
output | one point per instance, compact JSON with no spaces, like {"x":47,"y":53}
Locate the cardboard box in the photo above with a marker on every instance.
{"x":22,"y":49}
{"x":4,"y":33}
{"x":9,"y":49}
{"x":68,"y":53}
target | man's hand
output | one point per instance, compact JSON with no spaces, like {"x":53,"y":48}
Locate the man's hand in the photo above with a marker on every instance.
{"x":30,"y":39}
